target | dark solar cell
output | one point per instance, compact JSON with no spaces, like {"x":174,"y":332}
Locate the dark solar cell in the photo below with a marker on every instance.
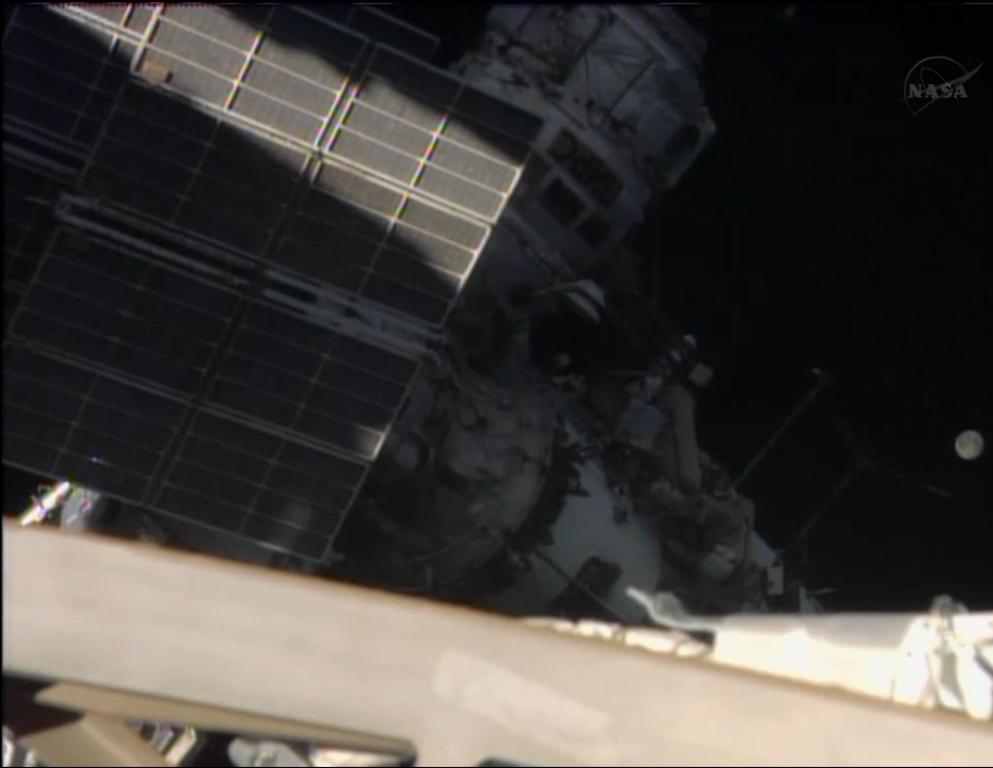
{"x":327,"y":240}
{"x":285,"y":537}
{"x":35,"y":426}
{"x":117,"y":453}
{"x":487,"y":140}
{"x":405,"y":300}
{"x":430,"y":249}
{"x":157,"y":408}
{"x":324,"y":207}
{"x":27,"y":221}
{"x":304,"y":487}
{"x":416,"y":274}
{"x":331,"y":431}
{"x":309,"y":461}
{"x":236,"y":168}
{"x":361,"y":384}
{"x":307,"y":516}
{"x":287,"y":329}
{"x":236,"y":231}
{"x":162,"y":141}
{"x":132,"y":429}
{"x":156,"y":109}
{"x":389,"y":31}
{"x":29,"y":454}
{"x":64,"y":75}
{"x":483,"y":108}
{"x":366,"y":357}
{"x":46,"y":115}
{"x":415,"y":78}
{"x":236,"y":435}
{"x":211,"y":485}
{"x":348,"y":409}
{"x":44,"y":370}
{"x":215,"y":195}
{"x":205,"y":510}
{"x":337,"y":13}
{"x":320,"y":266}
{"x":392,"y":100}
{"x":325,"y":70}
{"x":207,"y":453}
{"x":11,"y":303}
{"x":255,"y":373}
{"x":140,"y":165}
{"x":303,"y":30}
{"x":40,"y":398}
{"x":248,"y":401}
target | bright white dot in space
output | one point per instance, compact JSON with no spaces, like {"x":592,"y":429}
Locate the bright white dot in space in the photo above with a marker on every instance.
{"x":969,"y":445}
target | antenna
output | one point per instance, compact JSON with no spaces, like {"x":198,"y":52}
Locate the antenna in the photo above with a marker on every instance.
{"x":824,"y":379}
{"x":861,"y":463}
{"x":866,"y":463}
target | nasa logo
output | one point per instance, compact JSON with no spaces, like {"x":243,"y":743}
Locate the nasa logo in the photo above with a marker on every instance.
{"x":933,"y":79}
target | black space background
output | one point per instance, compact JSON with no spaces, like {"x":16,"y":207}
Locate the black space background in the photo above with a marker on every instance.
{"x":824,"y":228}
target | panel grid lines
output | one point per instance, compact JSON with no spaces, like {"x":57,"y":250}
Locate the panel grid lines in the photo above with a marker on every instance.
{"x":19,"y":264}
{"x":250,"y":56}
{"x":17,"y":126}
{"x":256,"y":126}
{"x":445,"y":118}
{"x":97,"y":431}
{"x":248,"y":410}
{"x":56,"y":41}
{"x":78,"y":12}
{"x":240,"y":87}
{"x":127,"y":440}
{"x":454,"y":168}
{"x":423,"y":160}
{"x":405,"y":200}
{"x":107,"y":60}
{"x":240,"y":80}
{"x":254,"y":63}
{"x":139,"y":166}
{"x":146,"y":35}
{"x":197,"y":172}
{"x":72,"y":78}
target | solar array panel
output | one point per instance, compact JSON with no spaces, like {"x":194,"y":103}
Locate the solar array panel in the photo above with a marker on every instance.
{"x":149,"y":385}
{"x":58,"y":81}
{"x":145,"y":354}
{"x":379,"y":27}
